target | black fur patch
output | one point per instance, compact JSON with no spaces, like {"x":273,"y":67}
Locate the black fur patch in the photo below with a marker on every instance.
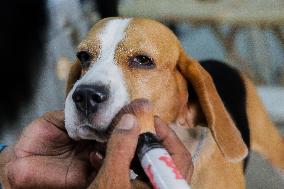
{"x":231,"y":89}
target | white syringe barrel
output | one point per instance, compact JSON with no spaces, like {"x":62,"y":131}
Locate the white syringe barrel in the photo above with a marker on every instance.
{"x":158,"y":164}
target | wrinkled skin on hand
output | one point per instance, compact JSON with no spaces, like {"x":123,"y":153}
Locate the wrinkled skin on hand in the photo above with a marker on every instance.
{"x":45,"y":157}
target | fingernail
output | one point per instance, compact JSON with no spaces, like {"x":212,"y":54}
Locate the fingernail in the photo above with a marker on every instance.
{"x":99,"y":156}
{"x":127,"y":122}
{"x":95,"y":156}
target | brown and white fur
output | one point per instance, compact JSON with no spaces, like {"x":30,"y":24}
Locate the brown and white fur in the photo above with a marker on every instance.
{"x":112,"y":45}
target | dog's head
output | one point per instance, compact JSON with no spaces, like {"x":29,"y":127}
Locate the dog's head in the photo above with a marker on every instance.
{"x":123,"y":59}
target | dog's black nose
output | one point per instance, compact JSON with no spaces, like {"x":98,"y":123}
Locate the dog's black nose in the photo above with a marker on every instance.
{"x":88,"y":97}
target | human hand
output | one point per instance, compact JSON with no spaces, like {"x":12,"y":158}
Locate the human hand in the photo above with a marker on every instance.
{"x":121,"y":148}
{"x":180,"y":155}
{"x":120,"y":151}
{"x":45,"y":157}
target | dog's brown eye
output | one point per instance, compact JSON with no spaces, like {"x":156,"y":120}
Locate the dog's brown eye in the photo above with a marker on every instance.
{"x":141,"y":61}
{"x":84,"y":57}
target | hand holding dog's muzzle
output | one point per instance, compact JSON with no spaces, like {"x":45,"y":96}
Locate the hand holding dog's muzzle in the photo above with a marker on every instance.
{"x":121,"y":147}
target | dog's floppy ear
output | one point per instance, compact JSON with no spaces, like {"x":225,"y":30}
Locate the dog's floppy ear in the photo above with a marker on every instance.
{"x":73,"y":76}
{"x":224,"y":131}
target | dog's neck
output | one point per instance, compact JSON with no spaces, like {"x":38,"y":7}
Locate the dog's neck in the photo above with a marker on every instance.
{"x":192,"y":138}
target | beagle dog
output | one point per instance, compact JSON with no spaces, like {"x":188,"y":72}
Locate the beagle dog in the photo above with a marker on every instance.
{"x":122,"y":59}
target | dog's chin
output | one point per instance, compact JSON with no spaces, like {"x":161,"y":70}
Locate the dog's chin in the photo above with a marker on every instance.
{"x":90,"y":132}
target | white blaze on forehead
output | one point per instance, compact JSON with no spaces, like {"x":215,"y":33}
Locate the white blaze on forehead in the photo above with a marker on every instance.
{"x":109,"y":38}
{"x":103,"y":72}
{"x":111,"y":35}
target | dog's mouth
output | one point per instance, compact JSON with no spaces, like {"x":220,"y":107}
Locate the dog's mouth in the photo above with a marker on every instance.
{"x":102,"y":135}
{"x":98,"y":134}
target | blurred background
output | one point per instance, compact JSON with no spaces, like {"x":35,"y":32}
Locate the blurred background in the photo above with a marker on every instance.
{"x":38,"y":40}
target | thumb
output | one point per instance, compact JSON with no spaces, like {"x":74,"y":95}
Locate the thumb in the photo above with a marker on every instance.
{"x":120,"y":152}
{"x":123,"y":141}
